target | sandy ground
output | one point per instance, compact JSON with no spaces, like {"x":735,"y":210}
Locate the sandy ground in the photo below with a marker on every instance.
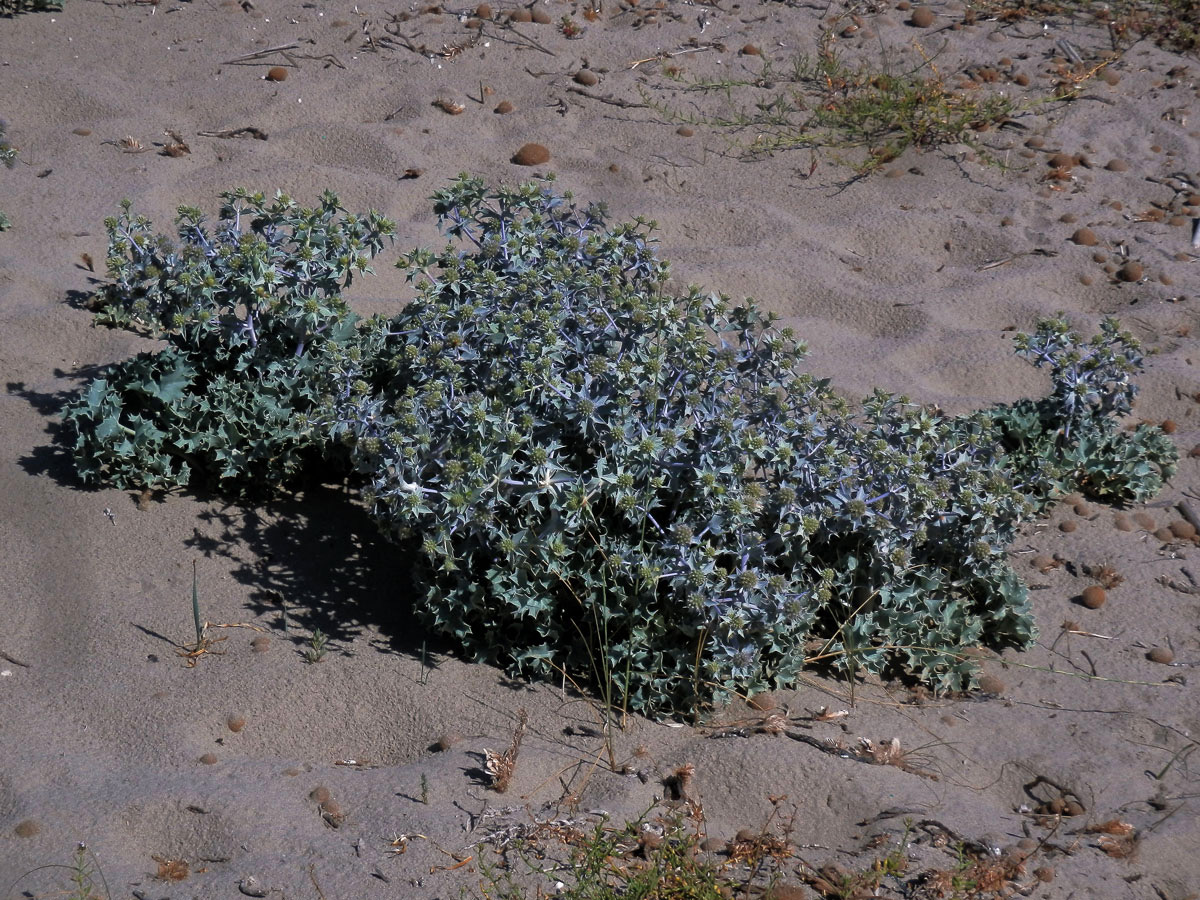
{"x":106,"y":737}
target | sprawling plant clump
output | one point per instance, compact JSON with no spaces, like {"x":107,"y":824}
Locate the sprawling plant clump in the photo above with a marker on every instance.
{"x":600,"y":478}
{"x":248,"y":312}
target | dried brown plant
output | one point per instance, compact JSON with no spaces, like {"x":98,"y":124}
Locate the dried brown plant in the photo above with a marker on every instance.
{"x":500,"y":766}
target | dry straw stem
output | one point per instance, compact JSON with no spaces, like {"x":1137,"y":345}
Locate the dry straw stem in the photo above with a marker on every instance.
{"x":500,"y":766}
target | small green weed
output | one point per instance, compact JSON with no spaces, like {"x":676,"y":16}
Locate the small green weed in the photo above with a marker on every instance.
{"x":86,"y":878}
{"x":822,"y":102}
{"x":318,"y":646}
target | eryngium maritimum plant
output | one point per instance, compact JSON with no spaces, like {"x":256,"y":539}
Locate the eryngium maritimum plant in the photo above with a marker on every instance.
{"x":249,"y":310}
{"x":603,"y":479}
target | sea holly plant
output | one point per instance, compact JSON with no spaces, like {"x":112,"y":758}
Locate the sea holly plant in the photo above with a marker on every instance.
{"x":599,"y":478}
{"x":249,"y":309}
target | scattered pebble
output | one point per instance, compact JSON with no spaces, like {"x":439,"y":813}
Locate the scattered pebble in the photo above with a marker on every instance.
{"x":990,"y":684}
{"x":1168,"y":426}
{"x":751,"y":50}
{"x":1110,"y":77}
{"x":276,"y":73}
{"x":446,"y":741}
{"x":483,"y":11}
{"x":1044,"y":874}
{"x":252,"y":887}
{"x":1161,"y":655}
{"x":1082,"y":509}
{"x":235,"y":723}
{"x":1121,"y":522}
{"x":922,"y":17}
{"x":764,"y":701}
{"x":260,"y":644}
{"x":1144,"y":520}
{"x":320,"y":794}
{"x":685,"y":131}
{"x":82,"y":132}
{"x":540,"y":16}
{"x":1084,"y":237}
{"x":1067,"y":218}
{"x":1094,"y":596}
{"x":1044,"y":563}
{"x":1073,"y":808}
{"x":587,"y":78}
{"x":1062,"y":161}
{"x":1194,"y":453}
{"x":503,"y":108}
{"x":209,"y":759}
{"x":520,"y":15}
{"x":1067,"y":526}
{"x":1131,"y":271}
{"x":1181,"y":528}
{"x":1164,"y":534}
{"x":531,"y":155}
{"x":1117,"y":165}
{"x":27,"y":828}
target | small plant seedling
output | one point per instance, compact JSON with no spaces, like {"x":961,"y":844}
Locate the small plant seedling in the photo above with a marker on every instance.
{"x":203,"y":644}
{"x":85,"y":876}
{"x":318,"y":646}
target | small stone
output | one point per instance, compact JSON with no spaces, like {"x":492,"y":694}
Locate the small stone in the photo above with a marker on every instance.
{"x":540,"y":15}
{"x":713,"y":845}
{"x":531,"y":155}
{"x":1084,"y":237}
{"x":82,"y":132}
{"x":1194,"y":453}
{"x":260,"y":644}
{"x":276,"y":73}
{"x":684,"y":131}
{"x":1117,"y":165}
{"x":332,"y":808}
{"x":751,"y":50}
{"x":1073,"y":808}
{"x":1181,"y":528}
{"x":1067,"y":526}
{"x":922,"y":17}
{"x":1021,"y":80}
{"x":1082,"y":509}
{"x":764,"y":701}
{"x":1094,"y":596}
{"x":1037,"y":142}
{"x":235,"y":723}
{"x":1067,"y":218}
{"x":319,"y":794}
{"x":209,"y":759}
{"x":1044,"y":874}
{"x":446,"y":741}
{"x":1164,"y":535}
{"x":1062,"y":161}
{"x":520,"y":15}
{"x":587,"y":78}
{"x":1131,"y":271}
{"x":1168,"y":426}
{"x":483,"y":11}
{"x":1044,"y":563}
{"x":503,"y":108}
{"x":990,"y":684}
{"x":1110,"y":77}
{"x":1162,"y":655}
{"x":27,"y":828}
{"x":1144,"y":520}
{"x":1121,"y":522}
{"x":252,"y":887}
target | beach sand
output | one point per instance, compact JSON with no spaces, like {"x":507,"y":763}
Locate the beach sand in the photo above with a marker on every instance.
{"x":912,"y":278}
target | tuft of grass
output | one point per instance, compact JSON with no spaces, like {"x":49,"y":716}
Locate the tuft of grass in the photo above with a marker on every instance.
{"x":823,"y":102}
{"x":84,"y":876}
{"x":1173,"y":25}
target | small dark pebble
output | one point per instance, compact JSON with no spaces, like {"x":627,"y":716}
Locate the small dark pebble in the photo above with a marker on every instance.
{"x":1161,"y":655}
